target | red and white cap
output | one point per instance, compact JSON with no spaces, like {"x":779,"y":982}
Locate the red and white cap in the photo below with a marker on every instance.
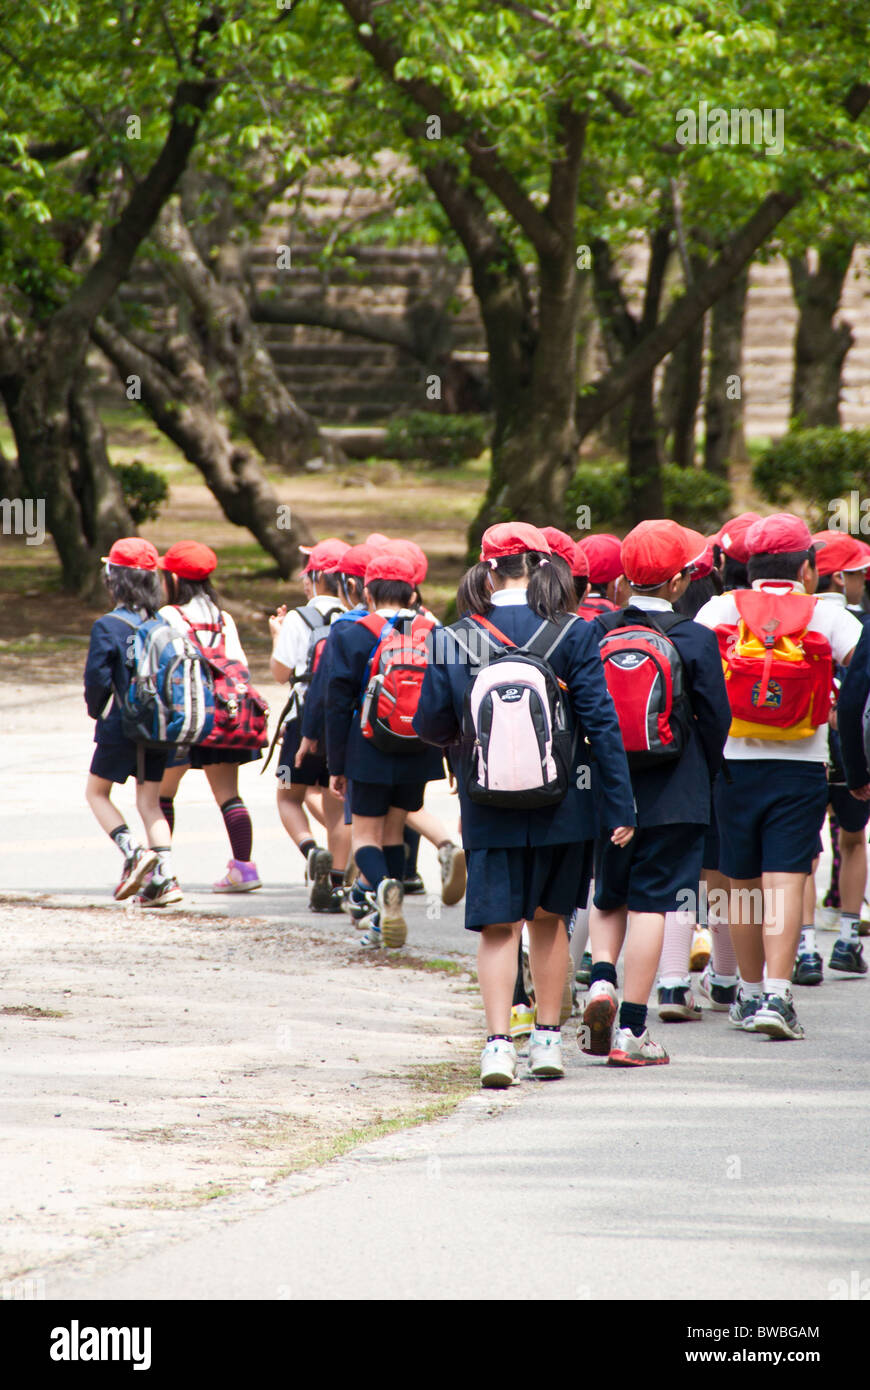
{"x":778,"y":534}
{"x":512,"y":538}
{"x":324,"y":557}
{"x":603,"y":555}
{"x":133,"y":553}
{"x":841,"y":552}
{"x":560,"y":544}
{"x":731,"y":537}
{"x":657,"y":550}
{"x":189,"y":560}
{"x":389,"y":566}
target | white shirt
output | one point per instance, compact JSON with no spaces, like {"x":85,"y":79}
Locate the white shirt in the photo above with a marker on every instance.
{"x":291,"y":647}
{"x":652,"y":603}
{"x":842,"y":630}
{"x":508,"y":598}
{"x":202,"y":610}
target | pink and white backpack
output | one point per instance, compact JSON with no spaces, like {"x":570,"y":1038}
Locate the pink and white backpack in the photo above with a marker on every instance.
{"x":516,"y":716}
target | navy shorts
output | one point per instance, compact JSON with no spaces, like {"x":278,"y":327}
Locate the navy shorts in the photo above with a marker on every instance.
{"x":851,"y":814}
{"x":769,"y":816}
{"x":653,"y":872}
{"x":312,"y":771}
{"x":509,"y":885}
{"x":199,"y":758}
{"x":376,"y":798}
{"x":117,"y":761}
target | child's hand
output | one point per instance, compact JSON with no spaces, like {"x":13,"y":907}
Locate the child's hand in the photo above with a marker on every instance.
{"x":338,"y":785}
{"x":277,"y":619}
{"x":622,"y":834}
{"x":306,"y":746}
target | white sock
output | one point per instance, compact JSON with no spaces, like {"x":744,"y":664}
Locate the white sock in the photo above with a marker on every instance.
{"x":674,"y":981}
{"x":808,"y":941}
{"x":163,"y":867}
{"x":849,"y":922}
{"x":780,"y":987}
{"x":751,"y":991}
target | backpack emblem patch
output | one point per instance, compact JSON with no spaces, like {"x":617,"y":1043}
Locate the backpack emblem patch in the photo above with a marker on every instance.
{"x":774,"y":695}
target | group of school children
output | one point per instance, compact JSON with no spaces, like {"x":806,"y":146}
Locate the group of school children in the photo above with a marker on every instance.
{"x":636,"y":729}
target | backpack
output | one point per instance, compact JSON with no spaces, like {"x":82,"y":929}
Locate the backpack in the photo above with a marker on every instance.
{"x":516,"y":717}
{"x":647,"y":682}
{"x":319,"y":625}
{"x":593,"y":606}
{"x":394,"y":678}
{"x":241,"y":715}
{"x":170,"y":698}
{"x":779,"y":675}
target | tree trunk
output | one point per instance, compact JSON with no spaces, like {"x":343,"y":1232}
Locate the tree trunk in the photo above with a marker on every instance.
{"x":644,"y":453}
{"x":177,"y":395}
{"x":820,"y":346}
{"x":681,"y":393}
{"x":104,"y":513}
{"x":724,"y":440}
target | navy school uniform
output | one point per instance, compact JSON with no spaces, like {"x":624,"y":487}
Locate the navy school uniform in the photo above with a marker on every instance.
{"x":377,"y":779}
{"x":106,"y":672}
{"x":521,"y":860}
{"x":850,"y":713}
{"x":851,"y":814}
{"x":674,"y":801}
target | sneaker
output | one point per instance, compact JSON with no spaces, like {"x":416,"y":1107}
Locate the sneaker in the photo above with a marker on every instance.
{"x":631,"y":1051}
{"x":863,"y":928}
{"x":159,"y":892}
{"x":598,"y":1015}
{"x":241,"y":877}
{"x":743,"y":1010}
{"x":359,"y":902}
{"x":498,"y":1065}
{"x":545,"y":1055}
{"x":137,"y":867}
{"x":678,"y":1005}
{"x":522,"y":1022}
{"x":848,"y":958}
{"x":317,"y":871}
{"x":453,"y":874}
{"x":392,"y":923}
{"x":584,"y":970}
{"x":413,"y":884}
{"x":336,"y":900}
{"x":373,"y":940}
{"x":702,"y":945}
{"x":807,"y":969}
{"x":719,"y":997}
{"x":777,"y":1017}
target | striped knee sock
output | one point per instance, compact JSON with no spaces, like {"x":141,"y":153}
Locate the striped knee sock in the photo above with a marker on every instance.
{"x":239,"y":828}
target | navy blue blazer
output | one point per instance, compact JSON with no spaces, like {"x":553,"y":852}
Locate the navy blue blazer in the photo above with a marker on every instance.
{"x":834,"y":746}
{"x":106,"y":671}
{"x":680,"y":791}
{"x":350,"y":646}
{"x":314,"y":707}
{"x":850,"y":713}
{"x":586,"y":810}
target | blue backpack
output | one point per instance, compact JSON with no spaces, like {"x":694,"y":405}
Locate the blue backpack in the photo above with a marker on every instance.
{"x":170,"y":698}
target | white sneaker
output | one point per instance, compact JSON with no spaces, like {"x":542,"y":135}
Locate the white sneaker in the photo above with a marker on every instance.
{"x":631,"y":1051}
{"x":373,"y":939}
{"x":599,"y":1011}
{"x":498,"y":1065}
{"x":545,"y":1054}
{"x":390,"y":897}
{"x":453,"y":874}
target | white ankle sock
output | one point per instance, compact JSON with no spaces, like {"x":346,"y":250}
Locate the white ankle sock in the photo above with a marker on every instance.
{"x":780,"y":987}
{"x":808,"y":941}
{"x":751,"y":991}
{"x":848,"y":926}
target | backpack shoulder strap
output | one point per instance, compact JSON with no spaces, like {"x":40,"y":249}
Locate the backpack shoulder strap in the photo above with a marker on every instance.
{"x":310,"y":615}
{"x":546,"y":638}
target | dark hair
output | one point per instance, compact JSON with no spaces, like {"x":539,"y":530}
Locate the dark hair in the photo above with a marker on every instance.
{"x":390,"y":591}
{"x":181,"y":591}
{"x":785,"y":565}
{"x":581,"y":586}
{"x":734,"y":574}
{"x":473,"y":595}
{"x":329,"y":582}
{"x":134,"y":588}
{"x":354,"y":582}
{"x":551,"y":586}
{"x":697,"y":594}
{"x":600,"y":590}
{"x":825,"y":582}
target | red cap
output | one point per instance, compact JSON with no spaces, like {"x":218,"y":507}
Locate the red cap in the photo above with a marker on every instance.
{"x":189,"y":560}
{"x":512,"y":538}
{"x":560,"y":543}
{"x":704,"y":565}
{"x":731,"y":537}
{"x":324,"y":557}
{"x":413,"y":552}
{"x":580,"y":563}
{"x":355,"y":559}
{"x":603,"y":556}
{"x":657,"y":550}
{"x":377,"y":540}
{"x":387,"y":566}
{"x":777,"y":534}
{"x":133,"y":553}
{"x":841,"y":552}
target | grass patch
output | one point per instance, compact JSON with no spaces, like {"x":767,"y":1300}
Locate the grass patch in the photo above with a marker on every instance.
{"x":31,"y":1011}
{"x":436,"y":965}
{"x":457,"y":1079}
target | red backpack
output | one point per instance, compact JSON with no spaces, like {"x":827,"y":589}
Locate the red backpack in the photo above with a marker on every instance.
{"x":778,"y":674}
{"x":594,"y":606}
{"x":241,"y":715}
{"x":647,"y":681}
{"x":394,"y":679}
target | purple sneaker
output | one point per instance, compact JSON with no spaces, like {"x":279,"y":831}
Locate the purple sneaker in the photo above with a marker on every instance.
{"x":241,"y":877}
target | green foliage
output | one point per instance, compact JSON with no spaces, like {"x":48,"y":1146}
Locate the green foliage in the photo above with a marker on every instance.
{"x":444,"y":441}
{"x":691,"y":497}
{"x":816,"y":466}
{"x":145,"y":490}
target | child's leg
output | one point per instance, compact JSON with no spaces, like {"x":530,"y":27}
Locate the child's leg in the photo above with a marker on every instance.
{"x":98,"y":794}
{"x":337,"y":833}
{"x":293,"y":817}
{"x":223,"y":778}
{"x":368,"y":850}
{"x":679,"y":927}
{"x":315,"y":798}
{"x":718,"y":894}
{"x":783,"y":909}
{"x":747,"y":919}
{"x":168,"y":788}
{"x":580,"y":935}
{"x":853,"y":871}
{"x":606,"y":934}
{"x":496,"y":974}
{"x":832,"y":897}
{"x":394,"y":842}
{"x":549,"y":958}
{"x":429,"y":826}
{"x":643,"y":949}
{"x":153,"y":819}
